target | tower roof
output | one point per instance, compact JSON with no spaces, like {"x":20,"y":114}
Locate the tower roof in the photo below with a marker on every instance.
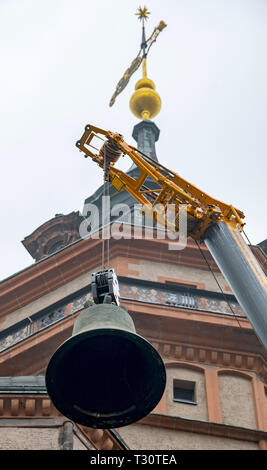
{"x":145,"y":103}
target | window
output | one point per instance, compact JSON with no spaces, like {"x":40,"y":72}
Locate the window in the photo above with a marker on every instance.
{"x":57,"y":246}
{"x":184,"y":391}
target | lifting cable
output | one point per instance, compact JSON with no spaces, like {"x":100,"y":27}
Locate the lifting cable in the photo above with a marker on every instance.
{"x":104,"y":210}
{"x":249,"y":242}
{"x":217,"y":282}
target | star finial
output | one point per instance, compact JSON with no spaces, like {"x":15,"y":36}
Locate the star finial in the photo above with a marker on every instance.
{"x":142,"y":13}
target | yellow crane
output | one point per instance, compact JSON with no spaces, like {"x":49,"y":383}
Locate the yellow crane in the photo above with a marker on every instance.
{"x":216,"y":223}
{"x":202,"y":209}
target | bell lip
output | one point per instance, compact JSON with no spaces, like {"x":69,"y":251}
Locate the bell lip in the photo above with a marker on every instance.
{"x":103,"y":423}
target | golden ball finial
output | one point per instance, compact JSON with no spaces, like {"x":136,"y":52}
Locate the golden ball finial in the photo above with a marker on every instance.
{"x":145,"y":102}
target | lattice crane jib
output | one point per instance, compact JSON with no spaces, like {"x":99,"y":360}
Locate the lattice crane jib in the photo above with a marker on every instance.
{"x":171,"y":189}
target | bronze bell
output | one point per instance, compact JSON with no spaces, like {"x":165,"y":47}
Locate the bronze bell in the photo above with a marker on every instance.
{"x":105,"y":375}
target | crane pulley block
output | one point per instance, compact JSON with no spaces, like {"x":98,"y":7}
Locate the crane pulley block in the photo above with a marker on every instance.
{"x":104,"y":283}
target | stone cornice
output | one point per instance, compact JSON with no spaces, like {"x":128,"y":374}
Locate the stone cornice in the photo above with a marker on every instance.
{"x":33,"y":408}
{"x":62,"y":228}
{"x":209,"y":428}
{"x":29,"y":409}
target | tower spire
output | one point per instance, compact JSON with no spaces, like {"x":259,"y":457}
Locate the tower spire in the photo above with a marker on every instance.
{"x":142,"y":14}
{"x":141,"y":58}
{"x":145,"y":103}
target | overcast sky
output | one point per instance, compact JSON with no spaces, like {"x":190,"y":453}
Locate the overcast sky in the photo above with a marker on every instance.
{"x":60,"y":63}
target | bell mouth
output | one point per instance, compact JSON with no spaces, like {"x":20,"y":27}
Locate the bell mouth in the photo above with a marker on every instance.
{"x":105,"y":378}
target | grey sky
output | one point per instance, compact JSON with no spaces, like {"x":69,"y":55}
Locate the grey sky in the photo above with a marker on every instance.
{"x":60,"y":63}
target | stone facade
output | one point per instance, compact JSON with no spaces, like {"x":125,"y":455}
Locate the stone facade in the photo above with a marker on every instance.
{"x":149,"y":437}
{"x":204,"y":338}
{"x":184,"y":317}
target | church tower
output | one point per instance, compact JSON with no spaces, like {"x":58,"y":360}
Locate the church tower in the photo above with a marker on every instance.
{"x":215,"y":395}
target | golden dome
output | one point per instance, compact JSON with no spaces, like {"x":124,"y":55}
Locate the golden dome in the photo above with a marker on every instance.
{"x":145,"y":102}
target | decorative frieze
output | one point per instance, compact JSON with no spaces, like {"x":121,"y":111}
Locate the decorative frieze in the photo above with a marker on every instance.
{"x":179,"y":297}
{"x":188,"y":299}
{"x":39,"y":321}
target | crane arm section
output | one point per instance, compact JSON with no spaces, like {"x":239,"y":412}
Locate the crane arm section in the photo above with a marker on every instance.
{"x":216,"y":223}
{"x":170,"y":188}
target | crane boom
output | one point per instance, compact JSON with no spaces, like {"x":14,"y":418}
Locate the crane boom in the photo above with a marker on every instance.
{"x":216,"y":223}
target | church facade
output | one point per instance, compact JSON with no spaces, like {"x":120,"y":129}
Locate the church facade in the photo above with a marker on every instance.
{"x":215,"y":397}
{"x":216,"y":391}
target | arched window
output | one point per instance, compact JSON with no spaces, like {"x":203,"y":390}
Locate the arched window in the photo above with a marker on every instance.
{"x":55,"y":247}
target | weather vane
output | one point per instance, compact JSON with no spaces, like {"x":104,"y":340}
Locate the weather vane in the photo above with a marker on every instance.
{"x":146,"y":44}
